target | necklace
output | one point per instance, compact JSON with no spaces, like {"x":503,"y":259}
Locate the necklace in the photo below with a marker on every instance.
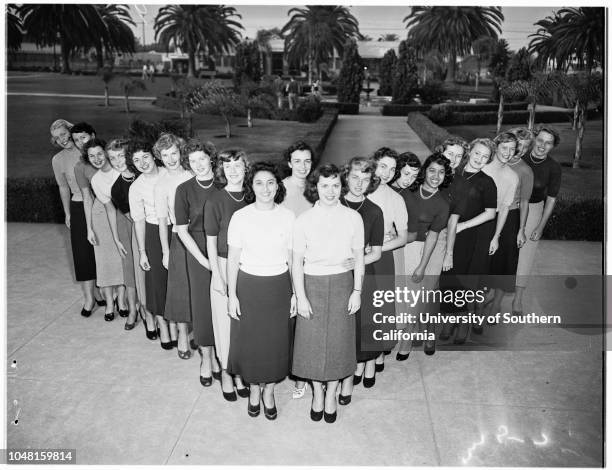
{"x":426,"y":197}
{"x":400,"y":190}
{"x":346,"y":203}
{"x":237,"y":200}
{"x":128,"y":180}
{"x":542,"y":160}
{"x":206,"y":187}
{"x":468,"y":177}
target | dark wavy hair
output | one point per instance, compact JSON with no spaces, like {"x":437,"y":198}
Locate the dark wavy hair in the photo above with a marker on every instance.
{"x":95,"y":142}
{"x":325,"y":171}
{"x":297,"y":145}
{"x":82,"y":127}
{"x":523,"y":133}
{"x":196,"y":145}
{"x":440,"y":159}
{"x":366,"y":165}
{"x":384,"y":152}
{"x":139,"y":145}
{"x":405,"y":159}
{"x":225,"y":156}
{"x":548,"y":129}
{"x":454,"y":141}
{"x":249,"y":194}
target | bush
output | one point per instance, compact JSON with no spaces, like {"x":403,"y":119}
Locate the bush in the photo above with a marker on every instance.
{"x":431,"y":134}
{"x":576,"y":219}
{"x":405,"y":78}
{"x":387,"y":71}
{"x":150,"y":131}
{"x":351,"y":75}
{"x":343,"y":108}
{"x":33,"y":200}
{"x":310,"y":109}
{"x":432,"y":92}
{"x":403,"y":109}
{"x":441,"y":113}
{"x":284,"y":114}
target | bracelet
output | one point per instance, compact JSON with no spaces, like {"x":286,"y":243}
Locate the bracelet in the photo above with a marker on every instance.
{"x":356,"y":290}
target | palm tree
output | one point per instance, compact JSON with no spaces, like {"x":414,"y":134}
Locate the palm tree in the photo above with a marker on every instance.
{"x":194,"y":28}
{"x":129,"y":84}
{"x":539,"y":86}
{"x":542,"y":46}
{"x":483,"y":48}
{"x":74,"y":25}
{"x":262,"y":40}
{"x":388,"y":37}
{"x":119,"y":37}
{"x":14,"y":29}
{"x":452,"y":30}
{"x":316,"y":32}
{"x":572,"y":35}
{"x":107,"y":75}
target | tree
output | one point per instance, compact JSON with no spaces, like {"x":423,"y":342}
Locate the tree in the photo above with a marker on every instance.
{"x":74,"y":25}
{"x":14,"y":29}
{"x":118,"y":36}
{"x":538,"y":86}
{"x":262,"y":41}
{"x":315,"y":32}
{"x":520,"y":66}
{"x":498,"y":65}
{"x":387,"y":71}
{"x":247,"y":65}
{"x":572,"y":36}
{"x":405,"y":79}
{"x":107,"y":75}
{"x":194,"y":28}
{"x":351,"y":76}
{"x":388,"y":37}
{"x":483,"y":49}
{"x":213,"y":98}
{"x":452,"y":30}
{"x":128,"y":85}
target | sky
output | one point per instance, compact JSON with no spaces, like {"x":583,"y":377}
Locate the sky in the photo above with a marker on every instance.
{"x":373,"y":20}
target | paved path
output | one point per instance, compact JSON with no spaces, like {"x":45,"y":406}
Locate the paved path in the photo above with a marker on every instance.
{"x":118,"y":398}
{"x":67,"y":95}
{"x":363,"y":134}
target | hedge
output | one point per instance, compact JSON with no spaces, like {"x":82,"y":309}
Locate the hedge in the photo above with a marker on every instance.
{"x":37,"y":199}
{"x":511,"y":117}
{"x":403,"y":109}
{"x":431,"y":134}
{"x":343,"y":108}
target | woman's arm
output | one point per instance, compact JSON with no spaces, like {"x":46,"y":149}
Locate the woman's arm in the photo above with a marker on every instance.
{"x":373,"y":255}
{"x":64,"y":191}
{"x":217,"y":280}
{"x":111,"y":214}
{"x":428,"y":248}
{"x":502,"y":215}
{"x":163,"y":239}
{"x":451,"y":233}
{"x":303,"y":305}
{"x":400,"y":240}
{"x":293,"y":308}
{"x":87,"y":205}
{"x":354,"y":302}
{"x":140,"y":228}
{"x":233,"y":264}
{"x":548,"y":210}
{"x":191,"y":245}
{"x":484,"y":216}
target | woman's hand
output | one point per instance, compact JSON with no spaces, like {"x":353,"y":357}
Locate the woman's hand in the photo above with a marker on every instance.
{"x":233,"y":307}
{"x":354,"y":303}
{"x":536,"y":234}
{"x":349,"y":264}
{"x":418,"y":274}
{"x":219,"y":285}
{"x":367,"y":250}
{"x":204,"y":262}
{"x":165,"y":259}
{"x":293,"y":308}
{"x":493,"y":246}
{"x":447,"y":264}
{"x":303,"y":308}
{"x":460,"y":227}
{"x":121,"y":248}
{"x":144,"y":261}
{"x":91,"y":237}
{"x":67,"y":220}
{"x":520,"y":238}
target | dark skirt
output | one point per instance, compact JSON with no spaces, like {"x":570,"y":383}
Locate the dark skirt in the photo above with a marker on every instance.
{"x":385,"y":275}
{"x":124,"y":230}
{"x":82,"y":251}
{"x":178,"y":303}
{"x":364,"y":319}
{"x":156,"y":278}
{"x":505,"y":260}
{"x":260,"y":340}
{"x":324,"y":347}
{"x":201,"y":313}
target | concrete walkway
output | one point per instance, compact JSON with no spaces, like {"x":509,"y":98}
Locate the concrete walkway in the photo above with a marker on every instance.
{"x":118,"y":398}
{"x":69,"y":95}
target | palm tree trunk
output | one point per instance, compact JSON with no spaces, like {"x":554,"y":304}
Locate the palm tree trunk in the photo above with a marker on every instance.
{"x":65,"y":55}
{"x":579,"y":137}
{"x":99,"y":55}
{"x":532,"y":111}
{"x":575,"y":120}
{"x":450,"y":73}
{"x":228,"y":128}
{"x":500,"y":113}
{"x":191,"y":65}
{"x":126,"y":101}
{"x":249,"y":118}
{"x":106,"y":100}
{"x":477,"y":77}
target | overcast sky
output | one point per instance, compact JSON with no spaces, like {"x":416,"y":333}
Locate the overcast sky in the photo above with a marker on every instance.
{"x":373,"y":20}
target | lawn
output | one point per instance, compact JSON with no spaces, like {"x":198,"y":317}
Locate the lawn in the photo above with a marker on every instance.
{"x":585,"y":182}
{"x":29,"y":151}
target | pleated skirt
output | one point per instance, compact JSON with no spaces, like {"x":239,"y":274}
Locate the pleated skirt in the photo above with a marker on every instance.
{"x":83,"y":254}
{"x":109,"y":269}
{"x":260,"y":340}
{"x":324,"y":347}
{"x":178,"y":303}
{"x":156,"y":278}
{"x":124,"y":230}
{"x":199,"y":295}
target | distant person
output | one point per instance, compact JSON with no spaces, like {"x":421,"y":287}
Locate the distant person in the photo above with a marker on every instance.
{"x":144,"y":72}
{"x":293,"y":89}
{"x":278,"y":90}
{"x":316,"y":88}
{"x":152,"y":72}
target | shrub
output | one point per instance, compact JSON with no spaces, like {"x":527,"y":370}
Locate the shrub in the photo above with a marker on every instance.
{"x":431,"y":134}
{"x":351,"y":76}
{"x":403,"y":109}
{"x":576,"y":219}
{"x":343,"y":108}
{"x":150,"y":131}
{"x":432,"y":92}
{"x":387,"y":71}
{"x":440,"y":113}
{"x":310,"y":109}
{"x":33,"y":200}
{"x":405,"y":79}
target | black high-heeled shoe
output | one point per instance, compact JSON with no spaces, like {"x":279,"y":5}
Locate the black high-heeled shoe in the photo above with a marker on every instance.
{"x":216,"y":375}
{"x":357,"y":379}
{"x":402,"y":357}
{"x":244,"y":392}
{"x":152,"y":335}
{"x":315,"y":415}
{"x":101,"y":303}
{"x":344,"y":400}
{"x":379,"y":367}
{"x":86,"y":313}
{"x":368,"y":382}
{"x":270,"y":413}
{"x":230,"y":396}
{"x":330,"y":417}
{"x":254,"y":410}
{"x":166,"y":346}
{"x":130,"y":326}
{"x":429,"y":348}
{"x":109,"y":316}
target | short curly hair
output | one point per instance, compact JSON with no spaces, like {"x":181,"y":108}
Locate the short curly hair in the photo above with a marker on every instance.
{"x":440,"y":159}
{"x":196,"y":145}
{"x":550,"y":130}
{"x":405,"y":159}
{"x":325,"y":171}
{"x":82,"y":127}
{"x":165,"y":141}
{"x":95,"y":142}
{"x":138,"y":145}
{"x":384,"y":152}
{"x":297,"y":145}
{"x":249,"y":194}
{"x":225,"y":156}
{"x":366,"y":165}
{"x":488,"y":143}
{"x":58,"y":124}
{"x":454,"y":141}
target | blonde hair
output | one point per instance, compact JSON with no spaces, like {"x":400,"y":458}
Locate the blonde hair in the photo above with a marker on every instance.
{"x":57,"y":124}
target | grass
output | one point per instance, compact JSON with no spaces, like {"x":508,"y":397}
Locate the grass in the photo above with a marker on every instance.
{"x":586,"y":181}
{"x":28,"y":118}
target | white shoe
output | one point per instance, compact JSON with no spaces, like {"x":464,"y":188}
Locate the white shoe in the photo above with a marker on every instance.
{"x":299,"y":392}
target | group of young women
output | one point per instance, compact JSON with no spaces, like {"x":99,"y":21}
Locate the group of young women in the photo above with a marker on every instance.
{"x":274,"y":277}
